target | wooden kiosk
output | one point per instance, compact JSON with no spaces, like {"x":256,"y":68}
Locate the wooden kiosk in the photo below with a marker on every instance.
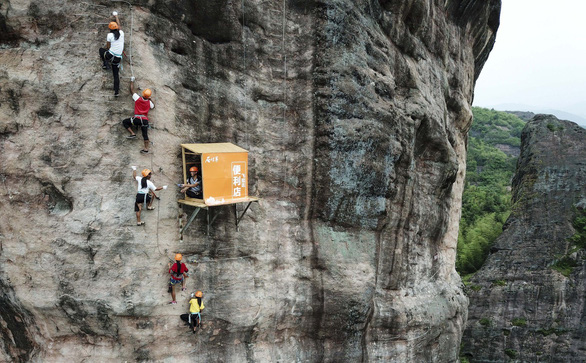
{"x":223,"y":169}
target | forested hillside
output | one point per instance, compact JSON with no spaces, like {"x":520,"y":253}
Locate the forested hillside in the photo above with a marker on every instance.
{"x":493,"y":148}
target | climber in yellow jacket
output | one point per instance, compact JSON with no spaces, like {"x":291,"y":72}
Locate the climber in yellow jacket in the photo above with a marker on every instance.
{"x":195,"y":308}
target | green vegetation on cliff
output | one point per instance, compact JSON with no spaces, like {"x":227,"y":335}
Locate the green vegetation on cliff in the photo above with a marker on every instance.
{"x":493,"y":144}
{"x":495,"y":127}
{"x":565,"y":264}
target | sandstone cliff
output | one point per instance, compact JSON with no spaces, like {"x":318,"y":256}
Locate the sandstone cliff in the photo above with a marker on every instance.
{"x":355,"y":114}
{"x":527,"y":301}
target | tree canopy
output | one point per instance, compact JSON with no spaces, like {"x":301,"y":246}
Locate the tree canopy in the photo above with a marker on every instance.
{"x":486,"y":201}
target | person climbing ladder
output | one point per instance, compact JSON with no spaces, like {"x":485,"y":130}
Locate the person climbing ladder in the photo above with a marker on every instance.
{"x":142,"y":105}
{"x":145,"y":188}
{"x":112,"y":55}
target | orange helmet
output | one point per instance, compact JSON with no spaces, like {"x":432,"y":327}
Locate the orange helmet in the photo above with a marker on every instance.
{"x":194,"y":168}
{"x":146,"y":93}
{"x":178,"y":257}
{"x":113,"y":25}
{"x":198,"y":294}
{"x":145,"y":172}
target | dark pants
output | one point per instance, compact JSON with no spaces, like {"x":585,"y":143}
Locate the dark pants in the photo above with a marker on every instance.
{"x":135,"y":121}
{"x":107,"y":59}
{"x":194,"y":320}
{"x":191,"y":194}
{"x":140,"y":200}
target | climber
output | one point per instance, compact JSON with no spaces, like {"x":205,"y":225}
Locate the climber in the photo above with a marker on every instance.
{"x":142,"y":105}
{"x":195,"y":308}
{"x":193,"y":187}
{"x":112,"y":54}
{"x":178,"y":272}
{"x":193,"y":319}
{"x":145,"y":189}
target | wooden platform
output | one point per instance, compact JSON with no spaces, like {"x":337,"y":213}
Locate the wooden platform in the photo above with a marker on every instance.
{"x":199,"y":205}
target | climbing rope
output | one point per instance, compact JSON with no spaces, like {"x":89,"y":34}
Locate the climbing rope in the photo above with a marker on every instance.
{"x":244,"y":103}
{"x":284,"y":49}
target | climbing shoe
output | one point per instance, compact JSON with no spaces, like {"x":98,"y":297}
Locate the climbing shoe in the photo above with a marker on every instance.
{"x":143,"y":151}
{"x":131,"y":137}
{"x":116,"y":94}
{"x":173,"y":302}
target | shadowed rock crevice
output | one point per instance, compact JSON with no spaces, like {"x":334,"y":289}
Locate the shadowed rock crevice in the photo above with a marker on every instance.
{"x":57,"y":202}
{"x":17,"y":327}
{"x":8,"y":36}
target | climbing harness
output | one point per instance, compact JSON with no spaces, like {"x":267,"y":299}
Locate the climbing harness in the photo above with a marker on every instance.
{"x":142,"y":120}
{"x":114,"y":56}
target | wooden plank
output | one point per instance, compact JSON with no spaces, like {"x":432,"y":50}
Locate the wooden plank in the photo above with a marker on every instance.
{"x":200,"y":203}
{"x":193,"y":202}
{"x":184,"y":166}
{"x":221,"y":147}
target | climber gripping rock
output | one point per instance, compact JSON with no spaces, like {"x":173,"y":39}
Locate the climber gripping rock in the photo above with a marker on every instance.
{"x":142,"y":105}
{"x":178,"y":272}
{"x":145,"y":189}
{"x":112,"y":55}
{"x":195,"y":307}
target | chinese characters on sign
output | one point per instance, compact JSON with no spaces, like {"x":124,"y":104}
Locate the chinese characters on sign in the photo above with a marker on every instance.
{"x":239,"y":179}
{"x":212,"y":159}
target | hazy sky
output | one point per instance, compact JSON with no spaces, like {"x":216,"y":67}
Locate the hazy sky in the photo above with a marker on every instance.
{"x":539,"y":58}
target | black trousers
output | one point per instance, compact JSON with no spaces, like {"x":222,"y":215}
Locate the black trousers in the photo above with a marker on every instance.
{"x":191,"y":194}
{"x":194,"y":320}
{"x":107,"y":57}
{"x":135,"y":121}
{"x":140,"y":200}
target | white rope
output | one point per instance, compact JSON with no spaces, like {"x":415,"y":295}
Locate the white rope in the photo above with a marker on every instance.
{"x":284,"y":63}
{"x":244,"y":103}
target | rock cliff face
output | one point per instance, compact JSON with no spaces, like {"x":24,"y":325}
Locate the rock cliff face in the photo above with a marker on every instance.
{"x":527,"y":301}
{"x":355,"y":114}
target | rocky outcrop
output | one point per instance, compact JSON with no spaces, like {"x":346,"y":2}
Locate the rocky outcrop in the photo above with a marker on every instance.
{"x":355,"y":114}
{"x":527,"y":301}
{"x":523,"y":115}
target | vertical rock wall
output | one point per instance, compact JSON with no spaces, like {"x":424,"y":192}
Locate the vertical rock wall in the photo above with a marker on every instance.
{"x":355,"y":114}
{"x":527,"y":301}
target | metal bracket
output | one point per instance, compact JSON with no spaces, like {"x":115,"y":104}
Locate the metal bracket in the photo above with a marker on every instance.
{"x":238,"y":219}
{"x":211,"y":217}
{"x":190,"y":220}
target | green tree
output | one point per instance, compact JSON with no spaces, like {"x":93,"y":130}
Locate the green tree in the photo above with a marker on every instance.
{"x":486,"y":200}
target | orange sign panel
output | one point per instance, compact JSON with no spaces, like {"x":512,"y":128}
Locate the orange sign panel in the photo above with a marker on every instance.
{"x":224,"y":177}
